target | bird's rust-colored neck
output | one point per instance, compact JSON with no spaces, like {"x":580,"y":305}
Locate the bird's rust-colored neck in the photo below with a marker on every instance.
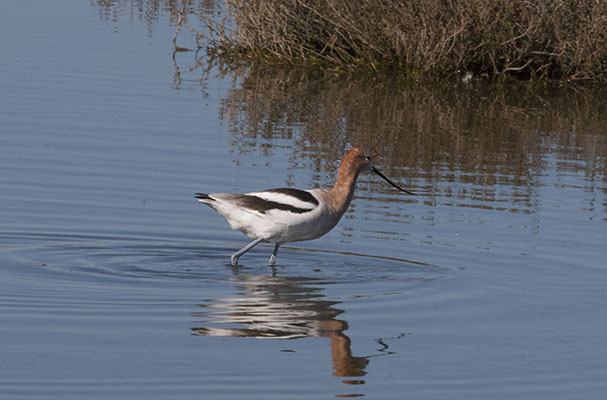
{"x":342,"y":192}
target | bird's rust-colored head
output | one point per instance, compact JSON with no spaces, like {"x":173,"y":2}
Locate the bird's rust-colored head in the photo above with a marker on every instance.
{"x":354,"y":162}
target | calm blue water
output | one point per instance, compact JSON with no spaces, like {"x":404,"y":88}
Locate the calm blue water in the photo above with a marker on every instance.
{"x":115,"y":283}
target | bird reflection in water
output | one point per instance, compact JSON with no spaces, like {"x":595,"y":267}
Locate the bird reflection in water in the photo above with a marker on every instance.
{"x":282,"y":308}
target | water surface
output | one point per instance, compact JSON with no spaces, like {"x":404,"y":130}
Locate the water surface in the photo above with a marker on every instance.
{"x":117,"y":284}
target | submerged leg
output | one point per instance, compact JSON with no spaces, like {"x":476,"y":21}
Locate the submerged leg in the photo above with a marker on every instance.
{"x":273,"y":256}
{"x":240,"y":252}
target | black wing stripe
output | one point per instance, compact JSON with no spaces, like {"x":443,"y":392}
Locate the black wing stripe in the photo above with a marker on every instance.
{"x":302,"y":195}
{"x":261,"y":205}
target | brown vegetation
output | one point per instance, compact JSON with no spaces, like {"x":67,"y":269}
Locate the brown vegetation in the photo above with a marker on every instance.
{"x":563,"y":39}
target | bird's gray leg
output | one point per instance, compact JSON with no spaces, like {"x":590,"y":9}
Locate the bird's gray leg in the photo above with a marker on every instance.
{"x":240,"y":252}
{"x":273,"y":256}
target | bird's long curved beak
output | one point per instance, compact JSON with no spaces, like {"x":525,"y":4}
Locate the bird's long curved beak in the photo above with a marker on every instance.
{"x":384,"y":177}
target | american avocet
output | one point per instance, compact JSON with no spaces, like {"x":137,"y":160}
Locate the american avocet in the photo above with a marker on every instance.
{"x":291,"y":215}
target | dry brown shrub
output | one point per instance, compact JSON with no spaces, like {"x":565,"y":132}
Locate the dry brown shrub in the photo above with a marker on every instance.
{"x":565,"y":39}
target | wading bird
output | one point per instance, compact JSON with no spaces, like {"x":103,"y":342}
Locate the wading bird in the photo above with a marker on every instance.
{"x":291,"y":215}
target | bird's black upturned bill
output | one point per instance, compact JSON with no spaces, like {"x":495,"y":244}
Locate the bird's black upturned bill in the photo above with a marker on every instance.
{"x":390,"y":182}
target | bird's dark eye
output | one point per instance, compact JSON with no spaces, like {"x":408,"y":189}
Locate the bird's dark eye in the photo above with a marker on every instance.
{"x":368,"y":158}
